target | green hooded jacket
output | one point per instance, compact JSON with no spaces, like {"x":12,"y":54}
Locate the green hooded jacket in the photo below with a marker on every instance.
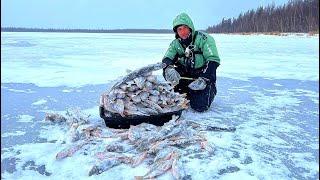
{"x":203,"y":43}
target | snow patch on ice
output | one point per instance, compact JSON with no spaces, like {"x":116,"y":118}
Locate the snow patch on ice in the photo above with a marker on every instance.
{"x":70,"y":90}
{"x":16,"y":133}
{"x":21,"y":91}
{"x":255,"y":148}
{"x":25,"y":118}
{"x":314,"y":96}
{"x":67,"y":90}
{"x":39,"y":102}
{"x":277,"y":84}
{"x":305,"y":161}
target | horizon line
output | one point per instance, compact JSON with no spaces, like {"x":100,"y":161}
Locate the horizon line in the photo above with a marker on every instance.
{"x":82,"y":30}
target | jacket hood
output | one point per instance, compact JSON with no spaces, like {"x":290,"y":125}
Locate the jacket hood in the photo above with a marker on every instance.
{"x":183,"y":19}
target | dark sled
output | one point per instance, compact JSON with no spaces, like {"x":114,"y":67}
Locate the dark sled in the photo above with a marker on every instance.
{"x":119,"y":122}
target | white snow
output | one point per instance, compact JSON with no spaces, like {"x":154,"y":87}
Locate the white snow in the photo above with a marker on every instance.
{"x":21,"y":91}
{"x":25,"y":118}
{"x":314,"y":96}
{"x":16,"y":133}
{"x":80,"y":58}
{"x":39,"y":102}
{"x":272,"y":135}
{"x":277,"y":84}
{"x":67,"y":90}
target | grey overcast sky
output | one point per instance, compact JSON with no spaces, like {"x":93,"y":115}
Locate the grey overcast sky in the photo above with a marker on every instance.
{"x":115,"y":14}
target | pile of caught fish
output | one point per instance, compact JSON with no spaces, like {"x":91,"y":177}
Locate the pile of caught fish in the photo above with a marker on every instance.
{"x":141,"y":93}
{"x":160,"y":147}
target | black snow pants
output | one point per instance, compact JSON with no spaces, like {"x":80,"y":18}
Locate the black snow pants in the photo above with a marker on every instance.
{"x":200,"y":100}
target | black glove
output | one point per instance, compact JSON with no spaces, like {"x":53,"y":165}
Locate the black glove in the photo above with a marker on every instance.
{"x":167,"y":61}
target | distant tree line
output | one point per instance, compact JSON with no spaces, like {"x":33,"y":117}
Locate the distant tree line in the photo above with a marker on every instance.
{"x":295,"y":16}
{"x":18,"y":29}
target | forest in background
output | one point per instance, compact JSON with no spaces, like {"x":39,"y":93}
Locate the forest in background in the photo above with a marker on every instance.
{"x":295,"y":16}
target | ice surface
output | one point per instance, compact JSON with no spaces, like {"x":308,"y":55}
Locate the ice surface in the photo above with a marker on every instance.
{"x":267,"y":89}
{"x":79,"y":59}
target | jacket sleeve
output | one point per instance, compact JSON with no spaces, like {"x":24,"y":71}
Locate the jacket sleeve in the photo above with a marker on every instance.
{"x":170,"y":54}
{"x":210,"y":52}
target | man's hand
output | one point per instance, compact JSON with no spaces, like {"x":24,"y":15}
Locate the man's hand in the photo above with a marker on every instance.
{"x":198,"y":84}
{"x":172,"y":75}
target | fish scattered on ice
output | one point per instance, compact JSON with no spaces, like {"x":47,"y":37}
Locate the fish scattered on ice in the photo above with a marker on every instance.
{"x":161,"y":146}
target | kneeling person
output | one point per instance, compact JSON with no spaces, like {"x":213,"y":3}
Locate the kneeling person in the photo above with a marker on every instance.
{"x":191,"y":62}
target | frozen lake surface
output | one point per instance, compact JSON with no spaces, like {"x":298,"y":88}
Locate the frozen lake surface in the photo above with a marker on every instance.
{"x":268,"y":88}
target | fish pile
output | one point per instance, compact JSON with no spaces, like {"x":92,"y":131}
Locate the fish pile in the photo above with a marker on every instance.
{"x":141,"y":94}
{"x":162,"y":148}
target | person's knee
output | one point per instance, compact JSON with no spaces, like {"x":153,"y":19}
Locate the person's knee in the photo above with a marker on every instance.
{"x":201,"y":101}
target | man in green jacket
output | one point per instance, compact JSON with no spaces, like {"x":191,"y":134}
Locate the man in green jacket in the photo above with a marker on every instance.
{"x":192,"y":58}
